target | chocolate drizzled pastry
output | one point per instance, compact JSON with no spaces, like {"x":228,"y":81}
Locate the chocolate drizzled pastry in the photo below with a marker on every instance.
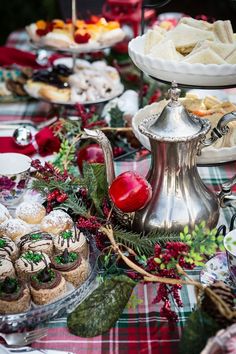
{"x":66,"y":261}
{"x":6,"y":267}
{"x":37,"y":241}
{"x":46,"y":285}
{"x":73,"y":240}
{"x":30,"y":263}
{"x":8,"y":248}
{"x":14,"y":296}
{"x":72,"y":266}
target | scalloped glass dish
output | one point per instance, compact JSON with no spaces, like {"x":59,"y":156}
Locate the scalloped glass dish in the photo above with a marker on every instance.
{"x":183,"y":73}
{"x":34,"y":317}
{"x":210,"y":155}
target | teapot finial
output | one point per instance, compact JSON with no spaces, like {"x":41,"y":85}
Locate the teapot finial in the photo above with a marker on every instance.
{"x":174,"y":92}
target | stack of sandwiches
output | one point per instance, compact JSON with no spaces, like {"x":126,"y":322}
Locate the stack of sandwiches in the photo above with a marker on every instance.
{"x":193,"y":41}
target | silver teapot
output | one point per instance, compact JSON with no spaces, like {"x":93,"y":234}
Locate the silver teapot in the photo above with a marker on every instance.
{"x":179,"y":196}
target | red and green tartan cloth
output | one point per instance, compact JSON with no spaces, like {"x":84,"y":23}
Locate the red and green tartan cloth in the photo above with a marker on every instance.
{"x":139,"y":329}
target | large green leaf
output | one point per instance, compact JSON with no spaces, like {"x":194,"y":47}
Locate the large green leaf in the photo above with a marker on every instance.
{"x":100,"y":311}
{"x":199,"y":327}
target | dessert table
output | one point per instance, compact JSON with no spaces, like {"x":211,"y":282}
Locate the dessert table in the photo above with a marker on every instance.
{"x":140,"y":328}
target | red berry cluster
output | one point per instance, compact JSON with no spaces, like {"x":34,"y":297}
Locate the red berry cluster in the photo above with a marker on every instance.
{"x":163,"y":264}
{"x":155,"y":97}
{"x":87,"y":116}
{"x":92,"y":225}
{"x":48,"y":171}
{"x":53,"y":197}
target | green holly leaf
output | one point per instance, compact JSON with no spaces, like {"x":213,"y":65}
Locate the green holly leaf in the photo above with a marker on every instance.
{"x":101,"y":309}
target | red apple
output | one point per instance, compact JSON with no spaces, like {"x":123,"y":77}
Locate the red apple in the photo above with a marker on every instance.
{"x":90,"y":153}
{"x":130,"y":192}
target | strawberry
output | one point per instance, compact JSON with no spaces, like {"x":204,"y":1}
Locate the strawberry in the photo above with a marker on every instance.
{"x":82,"y":38}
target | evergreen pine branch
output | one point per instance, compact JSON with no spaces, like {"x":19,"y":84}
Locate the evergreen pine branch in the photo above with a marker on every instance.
{"x":45,"y":186}
{"x":143,"y":245}
{"x":77,"y":206}
{"x":91,"y":183}
{"x":116,"y":117}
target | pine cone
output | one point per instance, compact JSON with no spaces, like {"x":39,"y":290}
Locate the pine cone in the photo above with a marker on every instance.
{"x":225,"y":293}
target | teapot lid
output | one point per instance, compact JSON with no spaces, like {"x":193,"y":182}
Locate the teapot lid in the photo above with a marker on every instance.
{"x":174,"y":123}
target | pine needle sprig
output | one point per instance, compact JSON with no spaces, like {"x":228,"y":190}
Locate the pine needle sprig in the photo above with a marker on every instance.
{"x":44,"y":186}
{"x":77,"y":206}
{"x":143,"y":245}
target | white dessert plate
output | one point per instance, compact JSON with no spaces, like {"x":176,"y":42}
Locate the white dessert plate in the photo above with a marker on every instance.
{"x":115,"y":93}
{"x":209,"y":155}
{"x":210,"y":75}
{"x":216,"y":269}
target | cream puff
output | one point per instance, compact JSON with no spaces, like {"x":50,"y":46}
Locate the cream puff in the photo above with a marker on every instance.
{"x":56,"y":221}
{"x":14,"y":228}
{"x":46,"y":286}
{"x":30,"y":212}
{"x":30,"y":263}
{"x":14,"y":296}
{"x":36,"y":242}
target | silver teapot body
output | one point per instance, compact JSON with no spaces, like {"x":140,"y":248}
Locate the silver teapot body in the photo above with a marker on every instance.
{"x":179,"y":196}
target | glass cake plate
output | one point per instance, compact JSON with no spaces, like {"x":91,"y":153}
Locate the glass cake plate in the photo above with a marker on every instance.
{"x":62,"y":306}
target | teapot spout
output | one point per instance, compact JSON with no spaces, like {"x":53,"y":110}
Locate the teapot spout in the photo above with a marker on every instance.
{"x":220,"y":130}
{"x":104,"y":143}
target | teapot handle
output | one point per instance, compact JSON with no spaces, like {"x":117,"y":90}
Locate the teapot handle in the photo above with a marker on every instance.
{"x":220,"y":130}
{"x":226,"y":198}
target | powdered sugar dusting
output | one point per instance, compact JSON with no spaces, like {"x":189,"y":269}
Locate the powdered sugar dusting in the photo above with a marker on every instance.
{"x":4,"y":213}
{"x":14,"y":228}
{"x":31,"y":212}
{"x":56,"y":221}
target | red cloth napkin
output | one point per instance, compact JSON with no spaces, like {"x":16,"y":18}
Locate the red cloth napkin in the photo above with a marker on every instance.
{"x":45,"y":143}
{"x":10,"y":56}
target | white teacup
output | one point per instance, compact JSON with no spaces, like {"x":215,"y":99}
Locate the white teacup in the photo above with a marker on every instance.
{"x":230,"y":246}
{"x":14,"y":177}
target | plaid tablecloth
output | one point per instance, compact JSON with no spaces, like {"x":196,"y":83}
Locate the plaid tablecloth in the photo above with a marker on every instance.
{"x":140,"y":329}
